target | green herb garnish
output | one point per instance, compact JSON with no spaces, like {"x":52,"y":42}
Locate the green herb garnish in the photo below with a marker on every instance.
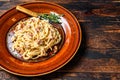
{"x":52,"y":17}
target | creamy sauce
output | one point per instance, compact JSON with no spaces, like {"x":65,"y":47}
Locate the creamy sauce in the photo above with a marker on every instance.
{"x":19,"y":56}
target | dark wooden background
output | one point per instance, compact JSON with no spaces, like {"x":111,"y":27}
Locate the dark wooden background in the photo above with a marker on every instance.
{"x":98,"y":57}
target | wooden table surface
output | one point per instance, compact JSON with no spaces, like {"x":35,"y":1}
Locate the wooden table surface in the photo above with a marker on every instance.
{"x":98,"y":57}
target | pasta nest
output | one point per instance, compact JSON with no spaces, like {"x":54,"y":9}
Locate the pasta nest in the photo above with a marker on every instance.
{"x":34,"y":37}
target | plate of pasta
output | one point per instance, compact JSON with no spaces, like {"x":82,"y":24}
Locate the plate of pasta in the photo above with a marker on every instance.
{"x":34,"y":46}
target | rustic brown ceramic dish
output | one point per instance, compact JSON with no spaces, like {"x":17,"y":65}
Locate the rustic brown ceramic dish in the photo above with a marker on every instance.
{"x":71,"y":44}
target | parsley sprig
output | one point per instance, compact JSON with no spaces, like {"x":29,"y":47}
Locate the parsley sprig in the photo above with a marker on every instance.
{"x":52,"y":17}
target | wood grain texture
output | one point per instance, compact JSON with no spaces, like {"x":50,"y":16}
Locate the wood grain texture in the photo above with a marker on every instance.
{"x":64,"y":76}
{"x":98,"y":58}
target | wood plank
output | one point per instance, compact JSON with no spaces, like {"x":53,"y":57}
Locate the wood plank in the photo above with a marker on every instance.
{"x":64,"y":76}
{"x":94,"y":60}
{"x":101,"y":36}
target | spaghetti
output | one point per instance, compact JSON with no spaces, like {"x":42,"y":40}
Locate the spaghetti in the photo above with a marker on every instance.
{"x":34,"y":37}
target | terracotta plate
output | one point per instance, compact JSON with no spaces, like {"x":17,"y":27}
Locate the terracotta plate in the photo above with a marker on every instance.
{"x":71,"y":44}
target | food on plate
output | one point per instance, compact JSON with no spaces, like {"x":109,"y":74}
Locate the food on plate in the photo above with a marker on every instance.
{"x":34,"y":38}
